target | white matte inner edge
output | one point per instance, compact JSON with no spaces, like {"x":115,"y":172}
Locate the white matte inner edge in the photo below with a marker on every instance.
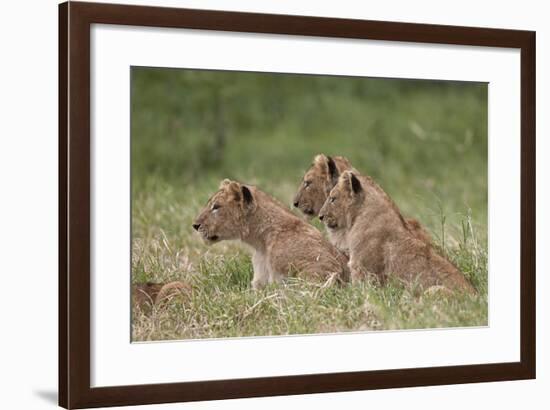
{"x":116,"y":361}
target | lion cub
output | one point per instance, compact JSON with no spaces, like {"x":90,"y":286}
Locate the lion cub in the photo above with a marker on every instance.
{"x":322,"y":176}
{"x":283,"y":243}
{"x":378,"y":240}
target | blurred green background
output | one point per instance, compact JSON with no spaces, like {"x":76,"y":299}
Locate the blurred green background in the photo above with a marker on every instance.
{"x":424,"y":142}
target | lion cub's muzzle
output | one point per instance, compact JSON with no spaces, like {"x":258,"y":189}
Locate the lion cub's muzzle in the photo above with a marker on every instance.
{"x":201,"y":229}
{"x":303,"y":205}
{"x":305,"y":209}
{"x":328,"y":221}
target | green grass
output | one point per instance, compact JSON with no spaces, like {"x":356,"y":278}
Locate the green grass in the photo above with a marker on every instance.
{"x":424,"y":142}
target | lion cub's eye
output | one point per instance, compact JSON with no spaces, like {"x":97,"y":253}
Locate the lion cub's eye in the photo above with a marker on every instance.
{"x":215,"y":207}
{"x":307,"y":184}
{"x":332,"y":199}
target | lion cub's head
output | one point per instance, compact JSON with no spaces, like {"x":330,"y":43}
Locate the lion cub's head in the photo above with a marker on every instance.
{"x":225,"y":213}
{"x":343,"y":203}
{"x":316,"y":185}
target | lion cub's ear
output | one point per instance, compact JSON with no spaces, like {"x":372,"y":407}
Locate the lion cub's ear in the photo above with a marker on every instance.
{"x":243,"y":195}
{"x":352,"y":182}
{"x":248,"y":199}
{"x":332,"y":169}
{"x":327,"y":165}
{"x":224,"y":183}
{"x":233,"y":188}
{"x":320,"y":160}
{"x":239,"y":192}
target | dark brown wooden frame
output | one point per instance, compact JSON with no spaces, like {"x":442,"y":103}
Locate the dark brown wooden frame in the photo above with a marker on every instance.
{"x":74,"y":204}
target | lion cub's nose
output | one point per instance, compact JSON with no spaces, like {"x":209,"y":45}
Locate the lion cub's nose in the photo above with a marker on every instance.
{"x":196,"y":226}
{"x":321,"y":217}
{"x":296,"y":204}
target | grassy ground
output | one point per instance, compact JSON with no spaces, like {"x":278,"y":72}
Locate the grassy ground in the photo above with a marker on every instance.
{"x":424,"y":142}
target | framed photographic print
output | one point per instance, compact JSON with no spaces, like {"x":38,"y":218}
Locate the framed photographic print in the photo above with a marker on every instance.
{"x":255,"y":205}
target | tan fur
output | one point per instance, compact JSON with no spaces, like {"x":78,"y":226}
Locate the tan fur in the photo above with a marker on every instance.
{"x":283,"y":244}
{"x":172,"y":289}
{"x":379,"y":242}
{"x":322,"y":176}
{"x":145,"y":295}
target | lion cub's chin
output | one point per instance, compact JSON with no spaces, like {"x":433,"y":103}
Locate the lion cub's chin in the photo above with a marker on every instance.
{"x":332,"y":226}
{"x":309,"y":215}
{"x":210,"y":240}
